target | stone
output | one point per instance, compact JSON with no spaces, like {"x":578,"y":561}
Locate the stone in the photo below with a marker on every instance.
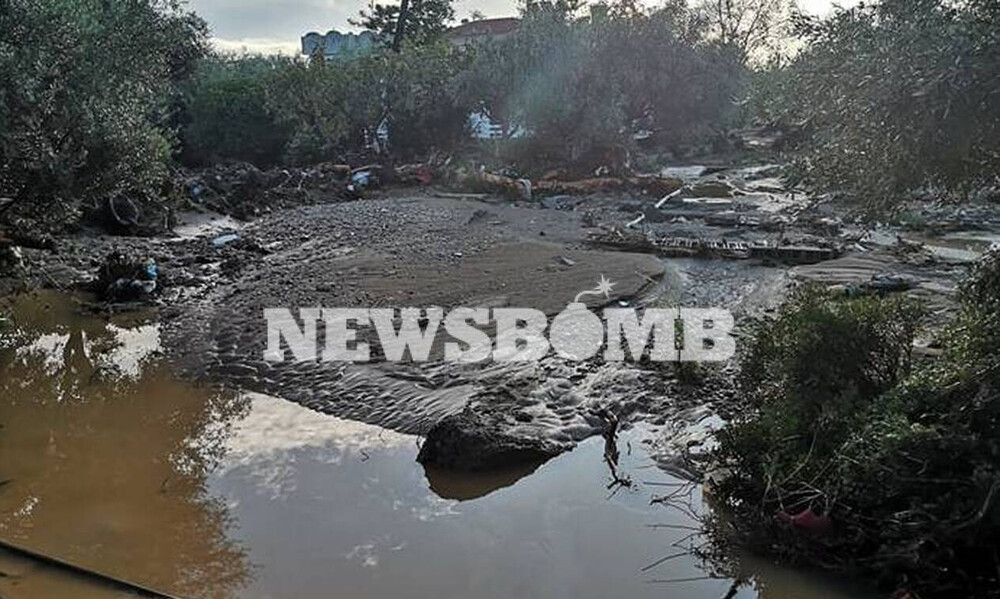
{"x":471,"y":441}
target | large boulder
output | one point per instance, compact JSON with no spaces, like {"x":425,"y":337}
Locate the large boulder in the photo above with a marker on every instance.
{"x":472,"y":441}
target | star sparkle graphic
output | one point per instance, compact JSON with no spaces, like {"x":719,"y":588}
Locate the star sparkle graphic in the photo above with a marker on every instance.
{"x":604,"y":287}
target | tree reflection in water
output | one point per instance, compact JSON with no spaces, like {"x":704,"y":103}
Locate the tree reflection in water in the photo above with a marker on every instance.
{"x":108,"y":456}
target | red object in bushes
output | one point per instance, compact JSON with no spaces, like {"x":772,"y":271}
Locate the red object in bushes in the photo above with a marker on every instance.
{"x":807,"y":520}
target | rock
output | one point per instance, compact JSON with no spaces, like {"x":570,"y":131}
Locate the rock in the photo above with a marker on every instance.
{"x":659,"y":186}
{"x":711,"y":189}
{"x":559,"y":202}
{"x":472,"y":442}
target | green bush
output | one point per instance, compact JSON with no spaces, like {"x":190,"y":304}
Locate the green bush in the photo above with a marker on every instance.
{"x":897,"y":95}
{"x":580,"y":86}
{"x":809,"y":375}
{"x":85,"y":100}
{"x":226,"y":111}
{"x":907,"y":468}
{"x":335,"y":106}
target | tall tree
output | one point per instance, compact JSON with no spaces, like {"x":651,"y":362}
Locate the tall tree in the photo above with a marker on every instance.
{"x":751,"y":28}
{"x":415,"y":21}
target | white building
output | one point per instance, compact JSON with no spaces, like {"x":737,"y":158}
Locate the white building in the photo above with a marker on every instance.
{"x":335,"y":43}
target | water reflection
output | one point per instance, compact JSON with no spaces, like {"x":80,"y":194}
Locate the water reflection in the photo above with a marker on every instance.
{"x":115,"y":465}
{"x":462,"y":486}
{"x":262,"y":447}
{"x":342,"y":508}
{"x":102,"y":468}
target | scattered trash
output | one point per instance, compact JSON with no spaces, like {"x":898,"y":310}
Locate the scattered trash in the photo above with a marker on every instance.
{"x":360,"y":180}
{"x":669,"y":196}
{"x":421,"y":173}
{"x":122,"y":279}
{"x":636,"y":221}
{"x":243,"y":191}
{"x":880,"y":284}
{"x":224,"y":239}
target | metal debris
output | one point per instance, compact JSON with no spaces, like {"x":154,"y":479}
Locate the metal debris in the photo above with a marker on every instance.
{"x":708,"y":247}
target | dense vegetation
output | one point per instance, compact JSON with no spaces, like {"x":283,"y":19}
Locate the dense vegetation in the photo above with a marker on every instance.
{"x":567,"y":85}
{"x":97,"y":99}
{"x":850,"y":458}
{"x":87,"y":98}
{"x":895,"y":96}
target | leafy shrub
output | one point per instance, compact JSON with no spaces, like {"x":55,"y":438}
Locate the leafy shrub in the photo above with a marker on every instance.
{"x":906,"y":468}
{"x":810,"y":374}
{"x":336,"y":106}
{"x":85,"y":98}
{"x":227,"y":115}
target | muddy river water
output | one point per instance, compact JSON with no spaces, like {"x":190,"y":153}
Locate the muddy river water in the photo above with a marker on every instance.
{"x":109,"y":462}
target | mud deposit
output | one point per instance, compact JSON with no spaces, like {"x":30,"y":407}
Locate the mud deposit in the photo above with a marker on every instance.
{"x":157,"y":446}
{"x":109,"y":462}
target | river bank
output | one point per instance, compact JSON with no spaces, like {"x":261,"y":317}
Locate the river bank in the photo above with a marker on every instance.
{"x":200,"y":491}
{"x":410,"y":247}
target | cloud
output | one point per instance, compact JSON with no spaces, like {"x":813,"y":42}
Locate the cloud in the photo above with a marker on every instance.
{"x":256,"y":45}
{"x":253,"y":22}
{"x":286,"y":21}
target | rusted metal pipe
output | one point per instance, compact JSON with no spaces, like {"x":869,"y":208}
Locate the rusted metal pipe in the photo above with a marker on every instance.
{"x":66,"y":566}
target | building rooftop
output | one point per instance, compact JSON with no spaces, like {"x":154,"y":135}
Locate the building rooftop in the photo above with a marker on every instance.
{"x":485,"y":27}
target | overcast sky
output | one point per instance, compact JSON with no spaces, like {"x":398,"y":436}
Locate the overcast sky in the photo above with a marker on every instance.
{"x":269,"y":26}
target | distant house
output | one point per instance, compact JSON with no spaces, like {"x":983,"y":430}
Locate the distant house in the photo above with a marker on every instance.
{"x":484,"y":29}
{"x":335,"y":43}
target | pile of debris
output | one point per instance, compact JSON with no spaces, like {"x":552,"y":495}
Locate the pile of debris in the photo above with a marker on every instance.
{"x":243,"y":191}
{"x":514,"y":186}
{"x":121,"y":278}
{"x":637,"y":241}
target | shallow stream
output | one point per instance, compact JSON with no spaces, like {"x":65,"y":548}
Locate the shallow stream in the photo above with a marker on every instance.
{"x":109,"y":462}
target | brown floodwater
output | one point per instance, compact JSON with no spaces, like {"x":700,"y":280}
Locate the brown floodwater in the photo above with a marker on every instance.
{"x":109,"y":462}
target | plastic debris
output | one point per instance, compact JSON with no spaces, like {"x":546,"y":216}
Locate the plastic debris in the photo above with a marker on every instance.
{"x":122,"y":279}
{"x":806,"y":520}
{"x":224,"y":239}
